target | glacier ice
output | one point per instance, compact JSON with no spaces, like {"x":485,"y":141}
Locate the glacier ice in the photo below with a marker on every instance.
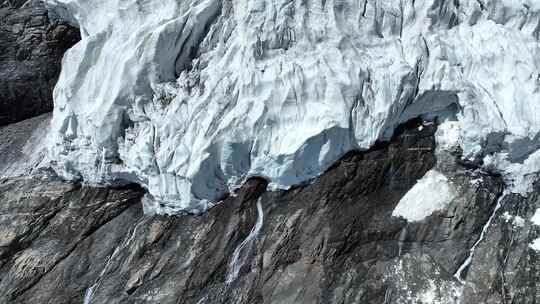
{"x":190,"y":98}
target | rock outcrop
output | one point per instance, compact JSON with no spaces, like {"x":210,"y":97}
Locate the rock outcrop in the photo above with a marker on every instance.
{"x":331,"y":241}
{"x":31,"y":50}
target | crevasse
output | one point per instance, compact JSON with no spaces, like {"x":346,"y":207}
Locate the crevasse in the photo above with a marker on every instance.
{"x":189,"y":98}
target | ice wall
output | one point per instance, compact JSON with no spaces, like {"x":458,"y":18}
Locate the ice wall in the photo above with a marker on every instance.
{"x":189,"y":98}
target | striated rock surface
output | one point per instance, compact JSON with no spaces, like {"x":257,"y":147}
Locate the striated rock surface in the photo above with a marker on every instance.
{"x":31,"y":48}
{"x":332,"y":241}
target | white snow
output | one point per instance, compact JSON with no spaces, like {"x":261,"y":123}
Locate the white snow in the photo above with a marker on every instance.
{"x":517,"y":221}
{"x":431,"y":193}
{"x":519,"y":177}
{"x":190,"y":98}
{"x":535,"y":219}
{"x":448,"y":135}
{"x":535,"y":244}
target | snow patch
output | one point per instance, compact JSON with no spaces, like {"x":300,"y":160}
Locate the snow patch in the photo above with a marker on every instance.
{"x":517,"y":221}
{"x":535,"y":244}
{"x":535,"y":219}
{"x":519,"y":177}
{"x":431,"y":193}
{"x":448,"y":135}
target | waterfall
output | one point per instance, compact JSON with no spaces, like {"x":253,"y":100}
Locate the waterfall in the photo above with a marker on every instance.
{"x":103,"y":165}
{"x":90,"y":291}
{"x":245,"y":247}
{"x":401,"y":240}
{"x":467,"y":262}
{"x":88,"y":294}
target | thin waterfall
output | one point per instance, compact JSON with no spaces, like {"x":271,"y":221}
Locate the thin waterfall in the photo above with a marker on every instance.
{"x":90,"y":291}
{"x":401,"y":240}
{"x":467,"y":263}
{"x":245,"y":247}
{"x":102,"y":165}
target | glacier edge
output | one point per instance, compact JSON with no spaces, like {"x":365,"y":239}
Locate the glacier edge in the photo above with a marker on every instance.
{"x":191,"y":98}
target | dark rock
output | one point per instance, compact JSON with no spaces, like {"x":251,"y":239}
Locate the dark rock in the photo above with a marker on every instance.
{"x":505,"y":269}
{"x":332,"y":241}
{"x":20,"y":145}
{"x":31,"y":49}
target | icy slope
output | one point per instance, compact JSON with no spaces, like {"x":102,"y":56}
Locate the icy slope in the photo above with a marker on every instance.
{"x":189,"y":98}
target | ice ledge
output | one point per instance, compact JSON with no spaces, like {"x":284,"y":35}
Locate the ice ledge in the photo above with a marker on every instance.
{"x":191,"y":98}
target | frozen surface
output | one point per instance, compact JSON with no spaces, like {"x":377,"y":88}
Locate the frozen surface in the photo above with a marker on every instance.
{"x":517,"y":221}
{"x":535,"y":245}
{"x":448,"y":135}
{"x":536,"y":221}
{"x":189,"y":98}
{"x":536,"y":217}
{"x":431,"y":193}
{"x":519,"y":177}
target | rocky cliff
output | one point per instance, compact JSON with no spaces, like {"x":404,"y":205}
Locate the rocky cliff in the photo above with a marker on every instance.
{"x":331,"y":241}
{"x":31,"y":48}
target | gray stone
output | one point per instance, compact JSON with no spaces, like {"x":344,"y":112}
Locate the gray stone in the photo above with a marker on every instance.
{"x":31,"y":49}
{"x":332,"y":241}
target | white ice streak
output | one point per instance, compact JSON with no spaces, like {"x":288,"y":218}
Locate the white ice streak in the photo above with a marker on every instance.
{"x":519,"y":176}
{"x":459,"y":273}
{"x":431,"y":193}
{"x":535,"y":219}
{"x":243,"y":250}
{"x":89,"y":293}
{"x":190,"y":98}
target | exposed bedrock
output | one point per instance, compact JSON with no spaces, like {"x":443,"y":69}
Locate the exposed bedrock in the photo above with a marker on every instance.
{"x":31,"y":50}
{"x":332,"y":241}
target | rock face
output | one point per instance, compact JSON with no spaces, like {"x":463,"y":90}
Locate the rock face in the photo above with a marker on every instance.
{"x":31,"y":49}
{"x":331,"y":241}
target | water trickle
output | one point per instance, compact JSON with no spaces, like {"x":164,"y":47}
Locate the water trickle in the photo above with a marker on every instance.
{"x":90,"y":291}
{"x":102,"y":165}
{"x":401,"y":240}
{"x":467,"y":262}
{"x":242,"y":251}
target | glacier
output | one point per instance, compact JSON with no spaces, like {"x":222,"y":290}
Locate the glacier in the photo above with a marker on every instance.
{"x":189,"y":98}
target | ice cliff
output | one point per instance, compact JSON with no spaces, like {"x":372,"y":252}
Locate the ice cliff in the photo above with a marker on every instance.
{"x":190,"y":98}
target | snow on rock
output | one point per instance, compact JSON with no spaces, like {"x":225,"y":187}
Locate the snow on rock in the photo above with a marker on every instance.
{"x":517,"y":221}
{"x":535,"y":244}
{"x":431,"y":193}
{"x":535,"y":219}
{"x":190,"y":98}
{"x":519,"y":177}
{"x":447,"y":135}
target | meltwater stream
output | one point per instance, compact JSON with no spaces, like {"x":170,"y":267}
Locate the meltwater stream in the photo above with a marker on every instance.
{"x":245,"y":247}
{"x":459,"y":273}
{"x":92,"y":289}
